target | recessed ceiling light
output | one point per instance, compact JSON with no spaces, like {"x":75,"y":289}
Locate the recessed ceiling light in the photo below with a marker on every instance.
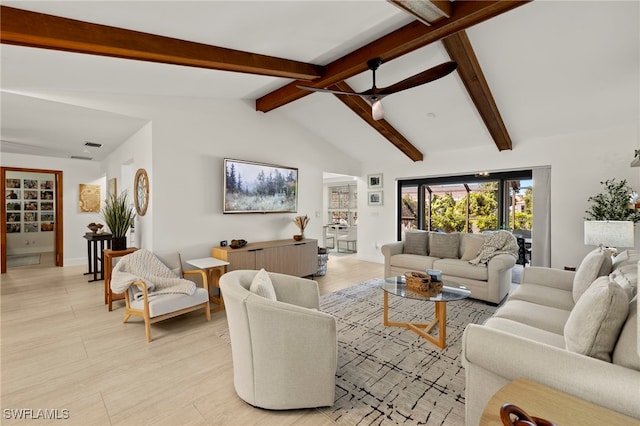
{"x":93,"y":144}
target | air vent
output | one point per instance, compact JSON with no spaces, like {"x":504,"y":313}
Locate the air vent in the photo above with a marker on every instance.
{"x":78,"y":157}
{"x":93,"y":144}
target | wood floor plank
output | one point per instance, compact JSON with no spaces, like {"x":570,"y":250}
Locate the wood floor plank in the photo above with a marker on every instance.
{"x":62,"y":349}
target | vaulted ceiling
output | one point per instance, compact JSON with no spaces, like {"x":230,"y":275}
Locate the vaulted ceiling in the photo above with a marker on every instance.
{"x":536,"y":59}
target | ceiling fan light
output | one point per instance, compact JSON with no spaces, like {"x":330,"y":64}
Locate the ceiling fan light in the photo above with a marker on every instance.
{"x":376,"y":110}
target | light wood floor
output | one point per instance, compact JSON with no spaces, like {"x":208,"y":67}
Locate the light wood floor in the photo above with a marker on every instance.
{"x":61,"y":349}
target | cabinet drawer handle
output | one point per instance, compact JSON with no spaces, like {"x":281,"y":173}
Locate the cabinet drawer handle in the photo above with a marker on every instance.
{"x":258,"y":249}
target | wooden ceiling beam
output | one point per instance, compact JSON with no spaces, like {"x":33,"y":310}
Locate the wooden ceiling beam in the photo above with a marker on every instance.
{"x":25,"y":28}
{"x":465,"y":13}
{"x":460,"y":50}
{"x":363,"y":110}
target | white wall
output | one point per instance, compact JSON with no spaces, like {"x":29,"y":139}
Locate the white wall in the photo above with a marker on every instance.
{"x":74,"y":172}
{"x":579,"y":162}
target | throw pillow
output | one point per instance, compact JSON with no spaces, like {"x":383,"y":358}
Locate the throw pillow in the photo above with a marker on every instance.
{"x":262,"y":285}
{"x":595,"y":322}
{"x":415,"y":242}
{"x":626,"y":353}
{"x":627,"y":278}
{"x":472,"y":247}
{"x":595,"y":264}
{"x":444,"y":246}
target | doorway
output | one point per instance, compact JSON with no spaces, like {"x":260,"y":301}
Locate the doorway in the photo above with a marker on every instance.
{"x":31,"y":214}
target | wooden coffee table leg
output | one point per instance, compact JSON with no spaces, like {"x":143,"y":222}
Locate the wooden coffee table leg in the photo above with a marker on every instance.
{"x":423,"y":329}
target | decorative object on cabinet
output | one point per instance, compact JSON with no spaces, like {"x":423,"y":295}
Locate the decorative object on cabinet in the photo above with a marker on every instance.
{"x":95,"y":227}
{"x":251,"y":187}
{"x":141,"y":191}
{"x":89,"y":199}
{"x":375,"y":198}
{"x":301,"y":222}
{"x":375,"y":181}
{"x":236,"y":244}
{"x":118,"y":215}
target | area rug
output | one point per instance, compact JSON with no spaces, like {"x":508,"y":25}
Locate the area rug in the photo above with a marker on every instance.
{"x":23,"y":260}
{"x":390,"y":375}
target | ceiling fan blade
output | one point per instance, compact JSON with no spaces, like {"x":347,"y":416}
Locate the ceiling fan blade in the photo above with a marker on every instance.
{"x":335,"y":92}
{"x":431,"y":74}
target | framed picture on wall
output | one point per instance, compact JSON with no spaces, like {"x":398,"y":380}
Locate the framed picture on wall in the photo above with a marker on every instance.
{"x":89,"y":198}
{"x":375,"y":198}
{"x":375,"y":181}
{"x":112,"y":187}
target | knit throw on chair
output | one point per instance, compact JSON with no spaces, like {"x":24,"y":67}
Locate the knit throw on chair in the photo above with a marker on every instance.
{"x":499,"y":242}
{"x":142,"y":265}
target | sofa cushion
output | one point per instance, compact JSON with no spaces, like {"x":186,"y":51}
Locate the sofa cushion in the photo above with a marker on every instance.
{"x":470,"y":246}
{"x":543,"y":295}
{"x":626,"y":351}
{"x":412,"y":262}
{"x":595,"y":322}
{"x":262,"y":285}
{"x":461,"y":268}
{"x":444,"y":246}
{"x":415,"y":242}
{"x":595,"y":264}
{"x":626,"y":257}
{"x":526,"y":331}
{"x":539,"y":316}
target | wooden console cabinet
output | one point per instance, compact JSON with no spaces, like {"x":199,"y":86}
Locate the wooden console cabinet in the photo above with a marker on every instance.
{"x":298,"y":258}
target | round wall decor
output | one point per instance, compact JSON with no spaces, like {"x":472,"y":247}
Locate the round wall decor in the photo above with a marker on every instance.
{"x":141,"y":191}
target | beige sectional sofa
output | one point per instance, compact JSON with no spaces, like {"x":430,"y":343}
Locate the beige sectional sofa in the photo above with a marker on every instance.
{"x":451,"y":253}
{"x":576,"y":332}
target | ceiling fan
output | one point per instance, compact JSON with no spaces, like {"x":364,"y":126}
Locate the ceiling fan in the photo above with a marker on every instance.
{"x":375,"y":95}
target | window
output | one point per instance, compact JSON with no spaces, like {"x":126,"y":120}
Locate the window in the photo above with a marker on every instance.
{"x":343,"y":202}
{"x":466,"y":203}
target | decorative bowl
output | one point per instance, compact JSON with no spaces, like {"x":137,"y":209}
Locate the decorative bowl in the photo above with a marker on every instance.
{"x":298,"y":237}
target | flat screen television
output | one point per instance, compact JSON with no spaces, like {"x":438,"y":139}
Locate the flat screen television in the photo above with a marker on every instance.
{"x":251,"y":187}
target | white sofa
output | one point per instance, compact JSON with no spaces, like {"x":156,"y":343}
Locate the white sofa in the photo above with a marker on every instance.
{"x":451,"y":253}
{"x":285,"y":350}
{"x":576,"y":332}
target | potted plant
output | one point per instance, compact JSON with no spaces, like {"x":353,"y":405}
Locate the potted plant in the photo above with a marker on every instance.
{"x":118,"y":214}
{"x":614,"y":203}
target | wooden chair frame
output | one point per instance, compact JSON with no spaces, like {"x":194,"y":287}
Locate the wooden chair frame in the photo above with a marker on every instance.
{"x":145,"y":312}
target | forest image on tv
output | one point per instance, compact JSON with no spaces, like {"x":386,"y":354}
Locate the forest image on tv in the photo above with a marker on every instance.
{"x":255,"y":187}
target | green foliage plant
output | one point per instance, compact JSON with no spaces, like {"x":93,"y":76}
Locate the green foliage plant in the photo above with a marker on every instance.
{"x":613,"y":203}
{"x":118,"y":214}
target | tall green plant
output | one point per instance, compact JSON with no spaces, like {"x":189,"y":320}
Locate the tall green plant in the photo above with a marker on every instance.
{"x":612,"y":204}
{"x":118,"y":214}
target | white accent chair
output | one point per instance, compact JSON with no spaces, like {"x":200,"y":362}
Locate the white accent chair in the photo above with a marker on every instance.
{"x":156,"y":308}
{"x":285,"y":351}
{"x":350,"y":240}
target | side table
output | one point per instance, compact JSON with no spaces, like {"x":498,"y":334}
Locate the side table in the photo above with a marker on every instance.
{"x":94,"y":256}
{"x":214,"y":269}
{"x":550,"y":404}
{"x":108,"y":256}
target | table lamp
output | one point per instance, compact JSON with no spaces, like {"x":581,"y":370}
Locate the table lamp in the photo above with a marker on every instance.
{"x":608,"y":233}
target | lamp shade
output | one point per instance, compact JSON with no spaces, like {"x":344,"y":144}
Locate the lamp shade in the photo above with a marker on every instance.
{"x":608,"y":233}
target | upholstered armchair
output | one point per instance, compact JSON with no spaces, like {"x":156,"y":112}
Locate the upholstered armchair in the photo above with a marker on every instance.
{"x":154,"y":305}
{"x":285,"y":350}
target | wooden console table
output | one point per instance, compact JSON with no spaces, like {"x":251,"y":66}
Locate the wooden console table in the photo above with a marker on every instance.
{"x":297,"y":258}
{"x":550,"y":404}
{"x":108,"y":256}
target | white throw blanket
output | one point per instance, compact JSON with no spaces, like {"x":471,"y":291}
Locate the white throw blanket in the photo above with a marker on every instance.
{"x":499,"y":242}
{"x":144,"y":266}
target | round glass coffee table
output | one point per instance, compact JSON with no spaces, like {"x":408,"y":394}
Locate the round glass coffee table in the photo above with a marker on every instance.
{"x":450,"y":292}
